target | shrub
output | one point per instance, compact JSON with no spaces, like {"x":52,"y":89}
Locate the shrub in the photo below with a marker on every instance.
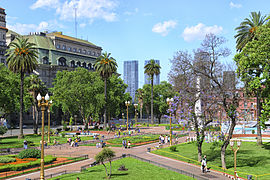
{"x":29,"y":153}
{"x":173,"y":148}
{"x":253,"y":131}
{"x":3,"y":130}
{"x":5,"y":159}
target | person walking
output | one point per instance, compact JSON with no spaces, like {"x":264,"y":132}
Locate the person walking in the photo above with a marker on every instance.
{"x":25,"y":144}
{"x":204,"y":164}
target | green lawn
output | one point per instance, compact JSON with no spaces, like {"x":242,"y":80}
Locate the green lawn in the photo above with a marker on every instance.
{"x":136,"y":170}
{"x":251,"y":159}
{"x":14,"y":142}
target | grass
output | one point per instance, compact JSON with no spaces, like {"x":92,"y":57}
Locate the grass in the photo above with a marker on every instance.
{"x":251,"y":159}
{"x":14,"y":142}
{"x":135,"y":139}
{"x":136,"y":170}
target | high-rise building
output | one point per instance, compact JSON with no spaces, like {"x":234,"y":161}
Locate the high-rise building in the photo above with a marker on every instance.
{"x":3,"y":31}
{"x":131,"y":77}
{"x":147,"y":79}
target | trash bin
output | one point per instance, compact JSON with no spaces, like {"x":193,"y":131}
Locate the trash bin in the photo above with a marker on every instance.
{"x":148,"y":149}
{"x":249,"y":177}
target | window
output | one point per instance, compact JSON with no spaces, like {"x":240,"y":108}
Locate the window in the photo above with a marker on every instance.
{"x":58,"y":46}
{"x":45,"y":60}
{"x":72,"y":64}
{"x":78,"y":64}
{"x":84,"y":64}
{"x":79,"y":50}
{"x":84,"y":51}
{"x":89,"y":52}
{"x":69,"y":48}
{"x":64,"y":47}
{"x":62,"y":61}
{"x":3,"y":36}
{"x":74,"y":49}
{"x":93,"y":53}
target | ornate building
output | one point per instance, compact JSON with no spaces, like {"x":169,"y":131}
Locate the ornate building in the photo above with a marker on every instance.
{"x":57,"y":52}
{"x":3,"y":31}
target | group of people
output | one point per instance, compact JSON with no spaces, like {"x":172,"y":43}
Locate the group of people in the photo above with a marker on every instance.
{"x":164,"y":140}
{"x":73,"y":143}
{"x":126,"y":144}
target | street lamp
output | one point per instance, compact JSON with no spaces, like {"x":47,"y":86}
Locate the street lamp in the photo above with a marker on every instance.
{"x":169,"y":102}
{"x":43,"y":103}
{"x":127,"y":104}
{"x":49,"y":119}
{"x":238,"y":143}
{"x":135,"y":106}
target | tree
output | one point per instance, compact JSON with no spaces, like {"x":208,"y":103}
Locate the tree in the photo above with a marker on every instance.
{"x":151,"y":69}
{"x":35,"y":86}
{"x":201,"y":76}
{"x":253,"y":69}
{"x":3,"y":130}
{"x":105,"y":66}
{"x":105,"y":155}
{"x":116,"y":96}
{"x":247,"y":29}
{"x":78,"y":92}
{"x":21,"y":59}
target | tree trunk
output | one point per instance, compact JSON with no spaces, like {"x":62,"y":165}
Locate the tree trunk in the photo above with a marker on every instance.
{"x":20,"y":136}
{"x":37,"y":120}
{"x":141,"y":114}
{"x":110,"y":169}
{"x":105,"y":169}
{"x":226,"y":143}
{"x":105,"y":106}
{"x":152,"y":100}
{"x":259,"y":133}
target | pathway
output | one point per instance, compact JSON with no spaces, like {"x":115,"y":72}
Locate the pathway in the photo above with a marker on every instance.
{"x":140,"y":151}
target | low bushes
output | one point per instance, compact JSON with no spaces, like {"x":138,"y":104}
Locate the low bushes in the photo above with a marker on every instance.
{"x":173,"y":148}
{"x":5,"y":159}
{"x":17,"y":167}
{"x":29,"y":153}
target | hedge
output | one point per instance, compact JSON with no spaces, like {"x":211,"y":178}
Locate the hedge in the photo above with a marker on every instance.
{"x":29,"y":153}
{"x":5,"y":159}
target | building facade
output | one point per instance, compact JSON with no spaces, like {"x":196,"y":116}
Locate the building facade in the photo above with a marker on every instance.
{"x":147,"y":79}
{"x":131,"y":77}
{"x":3,"y":31}
{"x":57,"y":52}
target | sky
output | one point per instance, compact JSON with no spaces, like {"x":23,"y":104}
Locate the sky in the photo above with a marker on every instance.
{"x":136,"y":29}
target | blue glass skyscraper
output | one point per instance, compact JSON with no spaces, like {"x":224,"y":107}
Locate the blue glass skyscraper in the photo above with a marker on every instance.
{"x":131,"y":77}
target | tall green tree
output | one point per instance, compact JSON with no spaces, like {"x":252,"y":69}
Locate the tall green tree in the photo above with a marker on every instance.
{"x":35,"y":86}
{"x":151,"y":69}
{"x":22,"y":59}
{"x":105,"y":66}
{"x":253,"y":68}
{"x":247,"y":29}
{"x":78,"y":92}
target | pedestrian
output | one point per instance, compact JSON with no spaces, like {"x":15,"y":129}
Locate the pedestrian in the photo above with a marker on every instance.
{"x":77,"y":178}
{"x":162,"y":139}
{"x":25,"y":144}
{"x":204,"y":165}
{"x":129,"y":144}
{"x":119,"y":133}
{"x":129,"y":133}
{"x":166,"y":139}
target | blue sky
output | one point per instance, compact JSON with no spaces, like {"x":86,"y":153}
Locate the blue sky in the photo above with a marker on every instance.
{"x":135,"y":29}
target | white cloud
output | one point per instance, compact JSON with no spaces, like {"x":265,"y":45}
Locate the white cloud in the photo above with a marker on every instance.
{"x":164,"y":28}
{"x":27,"y":28}
{"x":130,"y":13}
{"x":90,"y":9}
{"x":45,"y":3}
{"x":199,"y":31}
{"x":82,"y":25}
{"x":232,"y":5}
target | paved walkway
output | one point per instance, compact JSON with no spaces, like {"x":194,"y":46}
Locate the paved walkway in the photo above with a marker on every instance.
{"x":140,"y":151}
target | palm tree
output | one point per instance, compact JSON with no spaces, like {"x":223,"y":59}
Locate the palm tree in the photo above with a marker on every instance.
{"x":246,"y":30}
{"x":151,"y":69}
{"x":36,"y":86}
{"x":105,"y":66}
{"x":21,"y":59}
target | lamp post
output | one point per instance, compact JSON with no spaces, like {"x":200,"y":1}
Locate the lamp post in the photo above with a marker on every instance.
{"x":127,"y":104}
{"x":238,"y":143}
{"x":49,"y":119}
{"x":169,"y":101}
{"x":135,"y":106}
{"x":141,"y":107}
{"x":43,"y":103}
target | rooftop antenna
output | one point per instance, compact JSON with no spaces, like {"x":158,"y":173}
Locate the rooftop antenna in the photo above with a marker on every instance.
{"x":75,"y":9}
